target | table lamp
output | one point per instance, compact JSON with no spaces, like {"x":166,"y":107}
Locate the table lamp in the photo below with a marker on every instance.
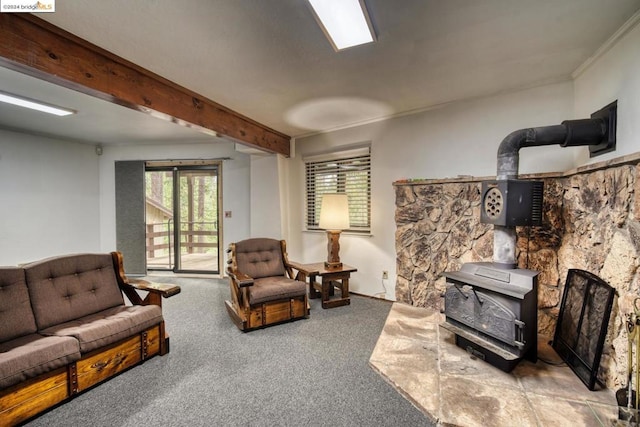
{"x":334,"y":217}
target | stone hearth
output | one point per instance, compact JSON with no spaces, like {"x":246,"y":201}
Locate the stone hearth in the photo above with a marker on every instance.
{"x":420,"y":360}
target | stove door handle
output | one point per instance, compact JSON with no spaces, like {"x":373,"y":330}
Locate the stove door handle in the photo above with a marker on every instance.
{"x":519,"y":333}
{"x":477,"y":297}
{"x":464,"y":288}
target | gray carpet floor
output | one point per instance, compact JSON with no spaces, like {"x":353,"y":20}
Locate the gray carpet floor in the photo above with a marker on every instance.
{"x":312,"y":372}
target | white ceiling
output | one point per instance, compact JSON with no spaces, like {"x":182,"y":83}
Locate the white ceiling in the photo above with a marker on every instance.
{"x":269,"y":60}
{"x":96,"y":121}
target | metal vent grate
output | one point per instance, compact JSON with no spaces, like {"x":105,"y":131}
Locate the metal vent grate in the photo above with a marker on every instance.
{"x":512,"y":202}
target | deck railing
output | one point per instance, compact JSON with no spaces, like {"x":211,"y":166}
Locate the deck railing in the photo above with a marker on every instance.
{"x":194,"y":235}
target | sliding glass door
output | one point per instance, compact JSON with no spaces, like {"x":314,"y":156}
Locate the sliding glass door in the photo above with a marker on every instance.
{"x":182,"y":214}
{"x":196,"y":230}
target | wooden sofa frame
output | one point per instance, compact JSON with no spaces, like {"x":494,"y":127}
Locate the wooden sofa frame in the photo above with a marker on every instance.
{"x":24,"y":400}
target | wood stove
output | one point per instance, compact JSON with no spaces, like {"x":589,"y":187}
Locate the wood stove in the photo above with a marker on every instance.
{"x":493,"y":312}
{"x":492,"y":307}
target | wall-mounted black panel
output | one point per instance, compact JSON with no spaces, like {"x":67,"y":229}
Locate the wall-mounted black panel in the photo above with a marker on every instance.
{"x":512,"y":202}
{"x":610,"y":115}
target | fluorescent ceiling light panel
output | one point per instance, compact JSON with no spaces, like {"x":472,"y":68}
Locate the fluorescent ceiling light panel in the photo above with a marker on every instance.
{"x":345,"y":22}
{"x":34,"y":105}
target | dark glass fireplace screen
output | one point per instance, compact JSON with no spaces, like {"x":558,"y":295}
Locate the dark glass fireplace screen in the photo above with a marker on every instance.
{"x":582,"y":323}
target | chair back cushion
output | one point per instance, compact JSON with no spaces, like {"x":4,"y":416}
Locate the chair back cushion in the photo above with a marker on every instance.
{"x":260,"y":257}
{"x":68,"y":287}
{"x":16,"y":317}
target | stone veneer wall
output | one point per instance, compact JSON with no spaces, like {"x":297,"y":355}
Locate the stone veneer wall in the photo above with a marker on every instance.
{"x":591,"y":222}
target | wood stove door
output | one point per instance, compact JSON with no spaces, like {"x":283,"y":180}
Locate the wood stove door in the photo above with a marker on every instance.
{"x":482,"y":312}
{"x":459,"y":304}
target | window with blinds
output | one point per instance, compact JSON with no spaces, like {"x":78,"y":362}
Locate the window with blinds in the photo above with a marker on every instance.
{"x":347,"y":172}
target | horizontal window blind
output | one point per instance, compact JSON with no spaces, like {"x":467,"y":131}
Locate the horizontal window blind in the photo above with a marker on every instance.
{"x":350,"y":175}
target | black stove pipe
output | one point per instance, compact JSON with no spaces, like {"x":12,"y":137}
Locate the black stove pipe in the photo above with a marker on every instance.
{"x":571,"y":133}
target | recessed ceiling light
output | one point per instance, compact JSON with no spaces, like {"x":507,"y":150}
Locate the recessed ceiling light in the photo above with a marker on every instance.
{"x":345,"y":22}
{"x":34,"y":105}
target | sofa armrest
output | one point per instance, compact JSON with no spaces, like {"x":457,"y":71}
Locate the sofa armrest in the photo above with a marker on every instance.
{"x":165,"y":290}
{"x":130,"y":287}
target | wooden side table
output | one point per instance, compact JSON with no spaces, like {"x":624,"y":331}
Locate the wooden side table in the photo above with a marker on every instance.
{"x":329,"y":279}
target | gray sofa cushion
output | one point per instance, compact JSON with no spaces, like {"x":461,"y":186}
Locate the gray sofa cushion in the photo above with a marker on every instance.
{"x":274,"y":288}
{"x":31,"y":355}
{"x":260,"y":257}
{"x":108,"y":326}
{"x":68,"y":287}
{"x":16,"y":317}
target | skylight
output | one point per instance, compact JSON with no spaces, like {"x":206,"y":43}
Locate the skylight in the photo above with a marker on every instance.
{"x":345,"y":22}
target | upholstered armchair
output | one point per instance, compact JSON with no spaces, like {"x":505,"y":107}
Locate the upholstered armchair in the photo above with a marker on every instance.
{"x":264,"y":290}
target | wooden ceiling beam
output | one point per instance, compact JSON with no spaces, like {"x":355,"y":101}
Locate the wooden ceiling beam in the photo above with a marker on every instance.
{"x":35,"y":47}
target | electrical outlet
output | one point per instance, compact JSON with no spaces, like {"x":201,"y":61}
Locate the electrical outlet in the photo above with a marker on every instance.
{"x":385,"y":275}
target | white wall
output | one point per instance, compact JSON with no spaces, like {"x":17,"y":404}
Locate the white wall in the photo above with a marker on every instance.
{"x":49,"y":198}
{"x":614,"y":75}
{"x":235,"y":184}
{"x":59,"y":197}
{"x":459,"y":139}
{"x":265,"y":197}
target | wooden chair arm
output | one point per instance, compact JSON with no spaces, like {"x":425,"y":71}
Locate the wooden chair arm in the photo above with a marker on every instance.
{"x":240,"y":279}
{"x":304,"y":268}
{"x":165,"y":290}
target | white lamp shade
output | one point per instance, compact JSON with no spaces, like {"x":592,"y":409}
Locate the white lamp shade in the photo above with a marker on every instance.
{"x":334,"y":212}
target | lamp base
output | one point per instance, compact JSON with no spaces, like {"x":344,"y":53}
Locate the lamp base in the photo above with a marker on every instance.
{"x":332,"y":265}
{"x":333,"y":249}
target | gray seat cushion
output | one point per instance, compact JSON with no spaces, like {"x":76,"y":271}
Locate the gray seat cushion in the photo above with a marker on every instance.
{"x":274,"y":288}
{"x":31,"y":355}
{"x":108,"y":326}
{"x":16,"y":316}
